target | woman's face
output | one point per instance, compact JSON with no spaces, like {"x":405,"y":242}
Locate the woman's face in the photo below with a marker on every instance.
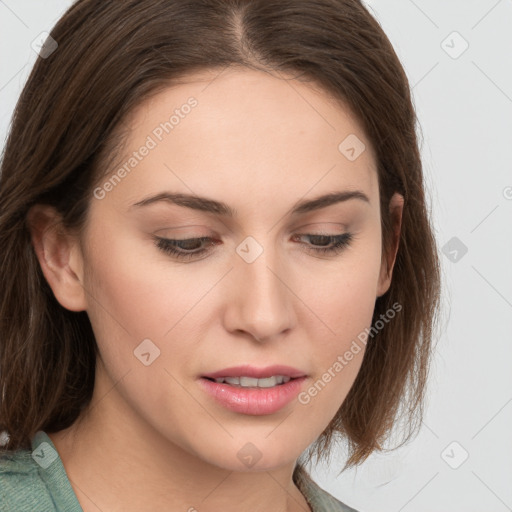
{"x":258,"y":292}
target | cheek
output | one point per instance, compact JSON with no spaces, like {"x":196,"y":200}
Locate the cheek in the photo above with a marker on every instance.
{"x":344,"y":295}
{"x":346,"y":309}
{"x":131,"y":297}
{"x":344,"y":301}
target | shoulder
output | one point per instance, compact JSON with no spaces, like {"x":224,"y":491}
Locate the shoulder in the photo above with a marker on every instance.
{"x":21,"y":487}
{"x":318,"y":499}
{"x":322,"y":501}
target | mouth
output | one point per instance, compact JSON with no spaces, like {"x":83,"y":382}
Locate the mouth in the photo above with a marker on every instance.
{"x":248,"y":376}
{"x":252,"y":382}
{"x":254,"y":391}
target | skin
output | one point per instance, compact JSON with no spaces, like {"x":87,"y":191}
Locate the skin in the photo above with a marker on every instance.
{"x":152,"y":438}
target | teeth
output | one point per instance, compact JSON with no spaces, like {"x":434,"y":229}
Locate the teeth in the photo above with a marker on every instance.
{"x":251,"y":382}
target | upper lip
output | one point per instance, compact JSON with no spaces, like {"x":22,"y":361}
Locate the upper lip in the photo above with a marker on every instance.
{"x":258,"y":373}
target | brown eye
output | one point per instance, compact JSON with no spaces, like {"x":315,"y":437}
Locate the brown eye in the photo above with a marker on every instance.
{"x":328,"y":244}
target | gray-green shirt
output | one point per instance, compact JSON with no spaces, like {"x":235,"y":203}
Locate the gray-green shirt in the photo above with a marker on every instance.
{"x":36,"y":481}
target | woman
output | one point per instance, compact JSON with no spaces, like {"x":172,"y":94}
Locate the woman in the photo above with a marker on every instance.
{"x":216,"y":256}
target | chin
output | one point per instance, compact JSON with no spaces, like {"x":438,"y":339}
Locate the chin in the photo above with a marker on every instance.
{"x":248,"y":456}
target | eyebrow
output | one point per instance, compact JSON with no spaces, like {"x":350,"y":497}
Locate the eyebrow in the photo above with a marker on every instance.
{"x":205,"y":204}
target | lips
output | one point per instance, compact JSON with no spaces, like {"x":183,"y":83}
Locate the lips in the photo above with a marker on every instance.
{"x":250,"y":390}
{"x":253,"y":400}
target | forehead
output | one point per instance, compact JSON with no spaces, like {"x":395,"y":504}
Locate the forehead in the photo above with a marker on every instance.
{"x":243,"y":134}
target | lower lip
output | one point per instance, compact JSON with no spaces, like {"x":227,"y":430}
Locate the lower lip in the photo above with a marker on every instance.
{"x":255,"y":401}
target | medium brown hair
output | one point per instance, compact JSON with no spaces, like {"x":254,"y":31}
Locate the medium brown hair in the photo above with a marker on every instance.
{"x":113,"y":55}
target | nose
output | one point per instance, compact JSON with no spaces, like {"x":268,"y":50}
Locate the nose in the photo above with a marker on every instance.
{"x":260,"y":295}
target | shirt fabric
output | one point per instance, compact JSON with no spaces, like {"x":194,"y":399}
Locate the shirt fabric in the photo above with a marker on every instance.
{"x":36,"y":481}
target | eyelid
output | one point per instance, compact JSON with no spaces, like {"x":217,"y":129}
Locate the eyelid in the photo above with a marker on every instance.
{"x":188,"y":226}
{"x":339,"y":225}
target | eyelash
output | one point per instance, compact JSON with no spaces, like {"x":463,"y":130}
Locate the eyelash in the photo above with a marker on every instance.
{"x":168,"y":246}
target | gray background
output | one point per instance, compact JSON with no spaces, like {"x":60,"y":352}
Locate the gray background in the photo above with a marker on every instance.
{"x":464,"y":105}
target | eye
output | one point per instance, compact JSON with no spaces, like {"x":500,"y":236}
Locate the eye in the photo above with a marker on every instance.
{"x":328,"y":244}
{"x":184,"y":248}
{"x":188,"y":248}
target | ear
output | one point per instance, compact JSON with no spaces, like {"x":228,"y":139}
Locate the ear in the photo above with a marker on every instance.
{"x":396,"y":205}
{"x":59,"y":255}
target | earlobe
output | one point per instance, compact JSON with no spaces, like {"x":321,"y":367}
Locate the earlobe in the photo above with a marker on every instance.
{"x":388,"y":260}
{"x":59,"y":256}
